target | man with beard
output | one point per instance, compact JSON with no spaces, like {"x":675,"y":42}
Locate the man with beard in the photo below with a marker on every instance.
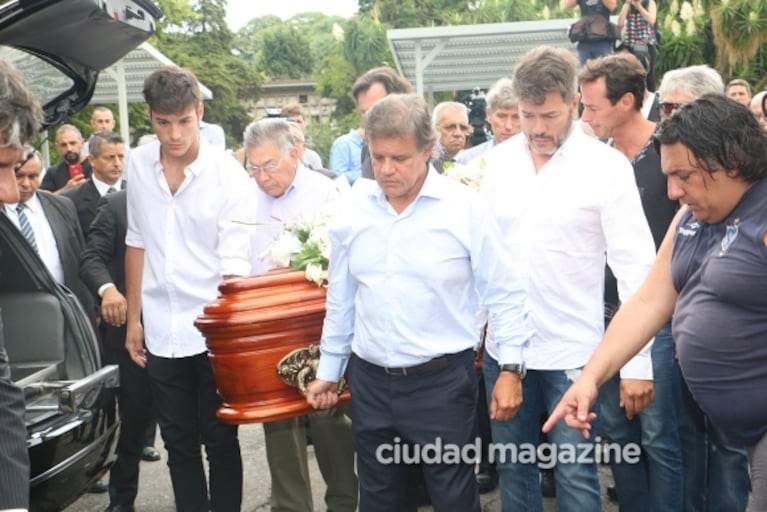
{"x":570,"y":205}
{"x":74,"y":169}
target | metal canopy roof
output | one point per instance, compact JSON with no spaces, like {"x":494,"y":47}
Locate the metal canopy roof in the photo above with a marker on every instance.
{"x":136,"y":66}
{"x":123,"y":82}
{"x":462,"y":57}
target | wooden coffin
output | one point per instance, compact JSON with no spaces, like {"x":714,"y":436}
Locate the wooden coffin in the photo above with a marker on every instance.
{"x":263,"y":334}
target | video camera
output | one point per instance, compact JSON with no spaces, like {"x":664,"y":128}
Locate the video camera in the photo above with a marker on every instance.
{"x":477,"y":115}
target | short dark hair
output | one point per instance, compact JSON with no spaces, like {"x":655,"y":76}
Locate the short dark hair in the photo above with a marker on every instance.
{"x":384,"y":75}
{"x":720,"y":133}
{"x":170,"y":90}
{"x":103,"y":137}
{"x":292,"y":109}
{"x":401,"y":115}
{"x":623,"y":73}
{"x":20,"y":112}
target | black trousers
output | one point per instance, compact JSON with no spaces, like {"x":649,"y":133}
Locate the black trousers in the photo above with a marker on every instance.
{"x":185,"y":393}
{"x":136,"y":414}
{"x":390,"y":411}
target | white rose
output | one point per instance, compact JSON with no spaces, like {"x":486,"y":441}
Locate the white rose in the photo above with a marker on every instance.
{"x":316,"y":274}
{"x":281,"y":251}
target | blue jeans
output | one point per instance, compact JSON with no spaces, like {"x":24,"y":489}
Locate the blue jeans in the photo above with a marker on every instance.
{"x":593,"y":49}
{"x":715,"y":468}
{"x":655,"y":482}
{"x":577,"y":484}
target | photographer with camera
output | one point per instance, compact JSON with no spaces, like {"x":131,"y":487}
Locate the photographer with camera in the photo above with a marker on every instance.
{"x":639,"y":17}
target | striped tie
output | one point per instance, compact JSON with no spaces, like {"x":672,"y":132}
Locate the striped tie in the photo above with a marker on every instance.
{"x":26,"y":227}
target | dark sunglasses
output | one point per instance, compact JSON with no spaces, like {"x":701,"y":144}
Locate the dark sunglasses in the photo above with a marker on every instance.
{"x":669,"y":108}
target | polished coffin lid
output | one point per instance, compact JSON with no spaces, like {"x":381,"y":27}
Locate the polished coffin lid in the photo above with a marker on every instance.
{"x":253,"y":324}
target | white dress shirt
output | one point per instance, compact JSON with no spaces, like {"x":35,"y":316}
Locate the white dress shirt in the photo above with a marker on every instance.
{"x":310,"y":194}
{"x":560,"y":222}
{"x":405,"y":288}
{"x":103,"y":188}
{"x":46,"y":242}
{"x":191,"y":240}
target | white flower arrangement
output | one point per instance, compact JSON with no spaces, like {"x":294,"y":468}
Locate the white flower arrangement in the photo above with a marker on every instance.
{"x":304,"y":244}
{"x":469,"y":174}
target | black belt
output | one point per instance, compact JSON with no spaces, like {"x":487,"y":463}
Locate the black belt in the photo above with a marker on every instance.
{"x":430,"y":366}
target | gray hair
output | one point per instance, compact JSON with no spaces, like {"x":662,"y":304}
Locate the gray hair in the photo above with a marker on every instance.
{"x":448,"y":105}
{"x":20,"y":113}
{"x":544,"y":70}
{"x":401,"y":114}
{"x":103,"y":137}
{"x":739,"y":81}
{"x":102,"y":109}
{"x":501,"y":95}
{"x":68,"y":128}
{"x":693,"y":81}
{"x":270,"y":129}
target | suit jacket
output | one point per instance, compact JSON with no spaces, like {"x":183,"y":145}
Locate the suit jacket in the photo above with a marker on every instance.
{"x":57,"y":175}
{"x":86,"y":198}
{"x":103,"y":260}
{"x":14,"y":458}
{"x":62,"y":217}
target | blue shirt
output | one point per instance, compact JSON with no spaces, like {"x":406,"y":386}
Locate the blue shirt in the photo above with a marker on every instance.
{"x":405,"y":288}
{"x":346,"y":156}
{"x":467,"y":155}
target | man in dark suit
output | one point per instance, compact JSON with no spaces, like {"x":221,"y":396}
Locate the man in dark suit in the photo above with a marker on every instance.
{"x":74,"y":169}
{"x":52,"y":228}
{"x":102,"y":268}
{"x":20,"y":118}
{"x":107,"y":158}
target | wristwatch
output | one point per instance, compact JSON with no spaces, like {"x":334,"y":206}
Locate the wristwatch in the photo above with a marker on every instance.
{"x":519,"y":369}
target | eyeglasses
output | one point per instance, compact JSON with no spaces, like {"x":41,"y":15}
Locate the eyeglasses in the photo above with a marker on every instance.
{"x":669,"y":108}
{"x":269,"y":168}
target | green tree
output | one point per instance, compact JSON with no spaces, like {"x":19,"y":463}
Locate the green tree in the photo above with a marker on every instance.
{"x":739,"y":29}
{"x":365,"y":45}
{"x":249,"y":40}
{"x":730,"y":36}
{"x":286,"y":54}
{"x":200,"y":40}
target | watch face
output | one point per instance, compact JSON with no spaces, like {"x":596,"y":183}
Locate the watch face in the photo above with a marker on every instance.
{"x":519,"y":369}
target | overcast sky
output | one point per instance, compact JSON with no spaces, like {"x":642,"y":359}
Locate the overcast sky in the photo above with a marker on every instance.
{"x":240,"y":12}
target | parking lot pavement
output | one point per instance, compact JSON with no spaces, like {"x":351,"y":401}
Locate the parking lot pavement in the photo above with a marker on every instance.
{"x":155,"y":493}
